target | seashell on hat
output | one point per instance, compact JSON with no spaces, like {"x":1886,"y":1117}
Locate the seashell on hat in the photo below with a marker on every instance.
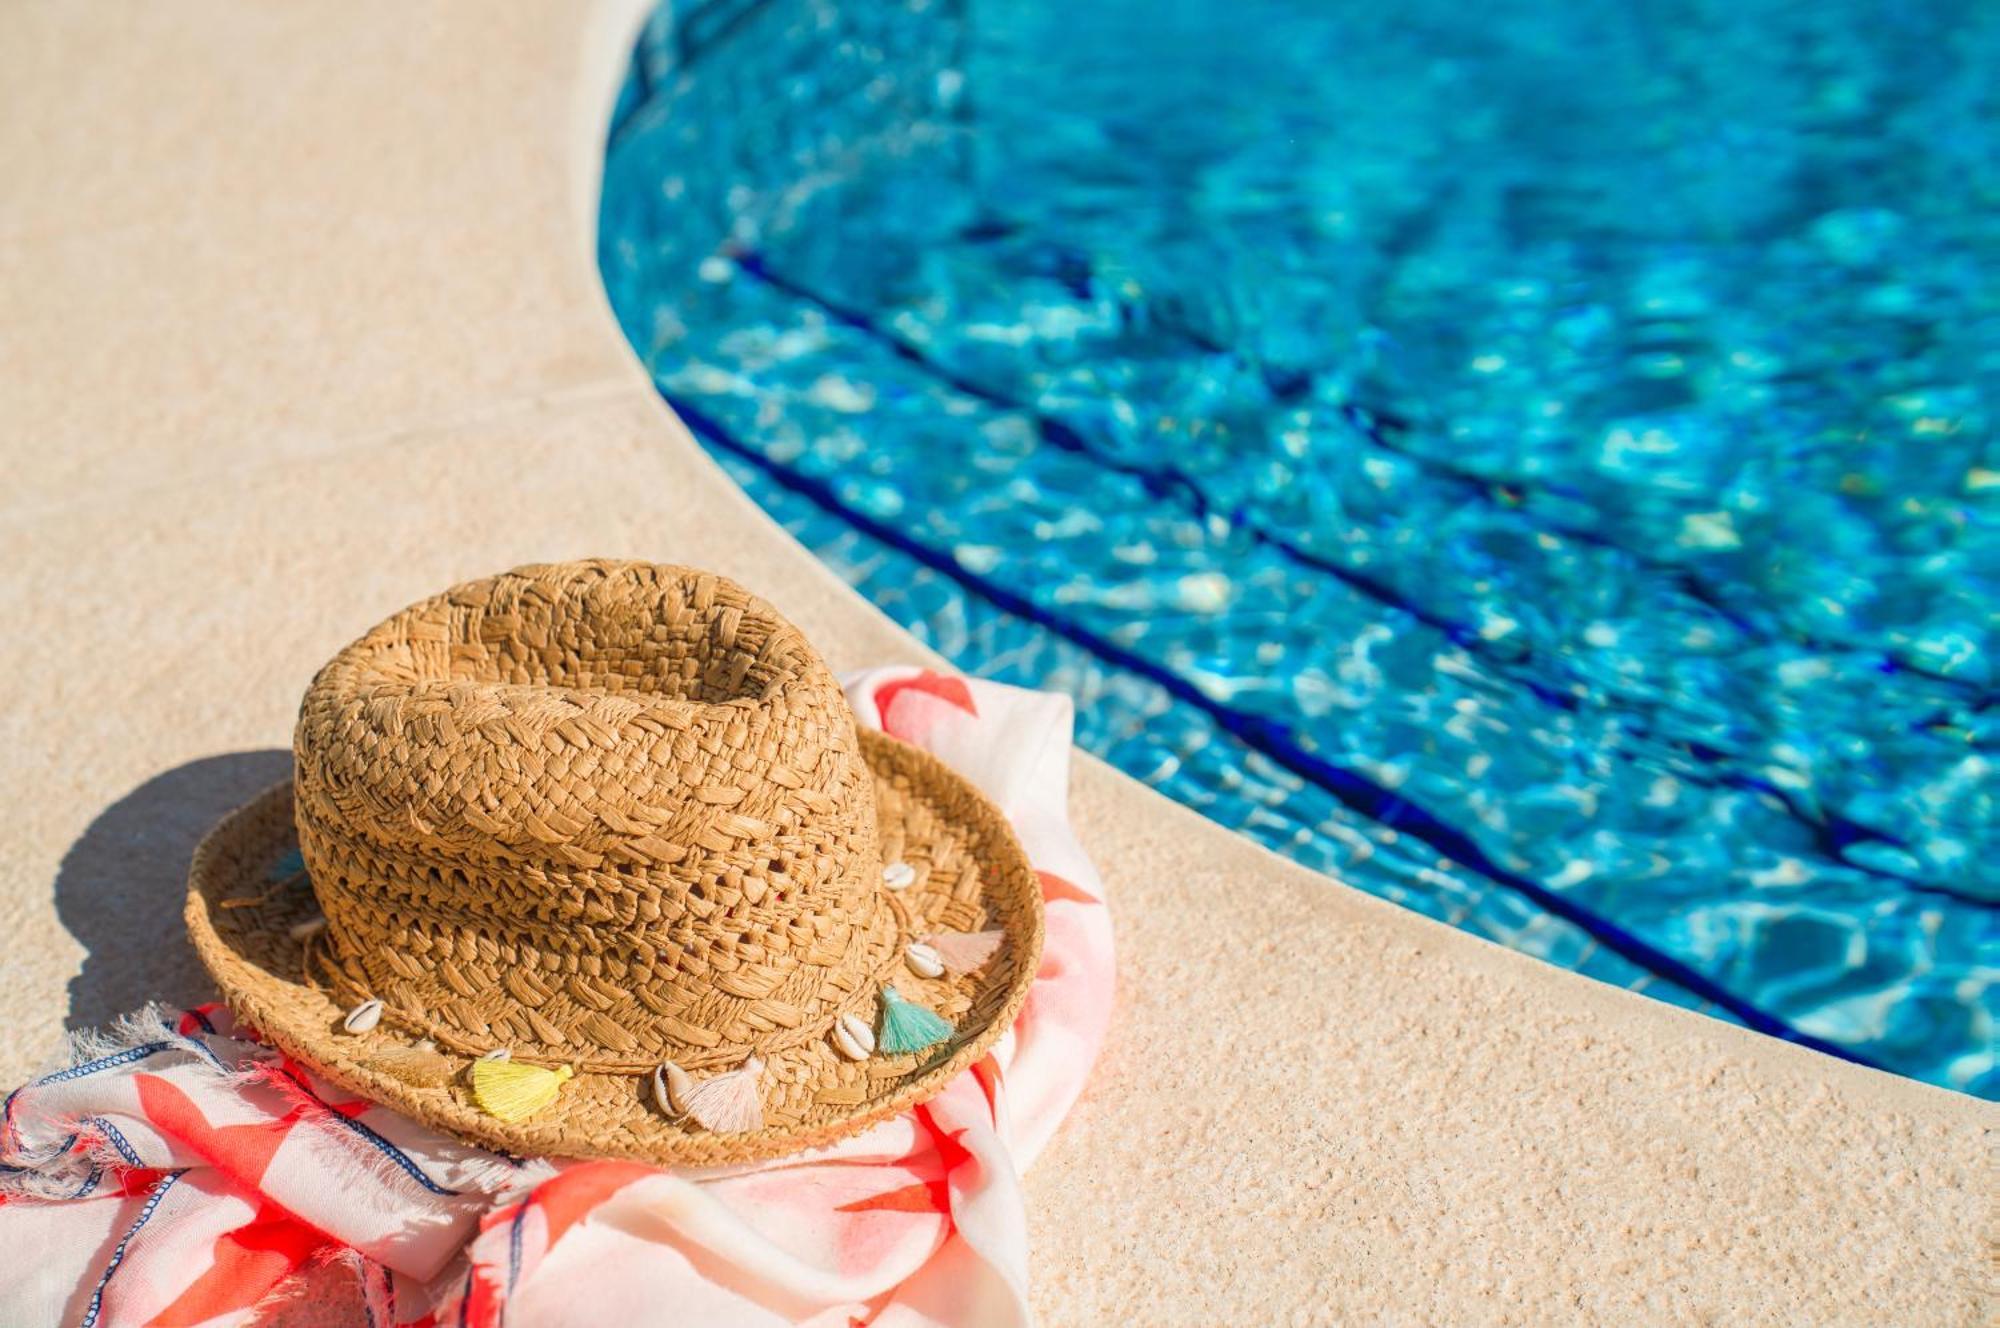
{"x":608,"y":818}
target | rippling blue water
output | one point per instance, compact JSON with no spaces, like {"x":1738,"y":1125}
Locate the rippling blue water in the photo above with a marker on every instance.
{"x":1538,"y":465}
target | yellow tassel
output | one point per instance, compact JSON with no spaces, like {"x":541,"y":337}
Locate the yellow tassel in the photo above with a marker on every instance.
{"x":513,"y":1091}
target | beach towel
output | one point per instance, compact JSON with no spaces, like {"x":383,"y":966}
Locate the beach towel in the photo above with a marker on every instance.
{"x":174,"y":1170}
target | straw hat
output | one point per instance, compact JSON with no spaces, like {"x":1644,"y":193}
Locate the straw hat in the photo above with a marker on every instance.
{"x":596,"y":863}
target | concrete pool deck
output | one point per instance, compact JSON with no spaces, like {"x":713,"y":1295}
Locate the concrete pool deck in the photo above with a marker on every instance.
{"x":299,"y":321}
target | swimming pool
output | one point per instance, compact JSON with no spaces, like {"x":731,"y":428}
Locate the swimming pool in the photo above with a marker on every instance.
{"x":1541,"y":471}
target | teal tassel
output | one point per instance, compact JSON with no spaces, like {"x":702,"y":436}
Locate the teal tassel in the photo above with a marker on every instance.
{"x":906,"y":1027}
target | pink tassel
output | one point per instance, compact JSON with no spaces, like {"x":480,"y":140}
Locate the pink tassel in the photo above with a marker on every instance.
{"x":728,"y":1103}
{"x":965,"y":951}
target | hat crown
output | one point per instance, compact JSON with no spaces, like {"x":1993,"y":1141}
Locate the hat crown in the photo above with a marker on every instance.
{"x":598,"y":811}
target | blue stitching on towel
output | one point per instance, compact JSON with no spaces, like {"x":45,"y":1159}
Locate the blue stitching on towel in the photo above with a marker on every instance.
{"x":118,"y":1255}
{"x":394,"y":1154}
{"x":387,"y":1149}
{"x":90,"y":1183}
{"x":514,"y":1249}
{"x":117,"y":1140}
{"x":35,"y":1163}
{"x":111,"y":1062}
{"x":192,"y":1043}
{"x":201,"y":1048}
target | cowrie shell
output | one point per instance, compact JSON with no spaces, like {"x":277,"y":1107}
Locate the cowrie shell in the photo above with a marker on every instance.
{"x":362,"y":1017}
{"x":671,"y":1086}
{"x":899,"y":875}
{"x":853,"y":1038}
{"x":305,"y":931}
{"x":923,"y":961}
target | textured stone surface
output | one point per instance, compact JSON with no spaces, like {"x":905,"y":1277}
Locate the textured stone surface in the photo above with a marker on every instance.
{"x":297,"y":323}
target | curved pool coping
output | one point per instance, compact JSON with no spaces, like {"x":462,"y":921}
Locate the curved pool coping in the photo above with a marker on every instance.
{"x":301,"y":321}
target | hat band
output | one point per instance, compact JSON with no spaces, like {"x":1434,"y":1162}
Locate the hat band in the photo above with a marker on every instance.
{"x":348,"y":989}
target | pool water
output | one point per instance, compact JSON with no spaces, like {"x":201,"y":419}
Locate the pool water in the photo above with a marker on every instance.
{"x":1540,"y":469}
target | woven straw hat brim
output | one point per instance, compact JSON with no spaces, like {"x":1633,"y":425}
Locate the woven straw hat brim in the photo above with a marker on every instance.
{"x":971,"y":874}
